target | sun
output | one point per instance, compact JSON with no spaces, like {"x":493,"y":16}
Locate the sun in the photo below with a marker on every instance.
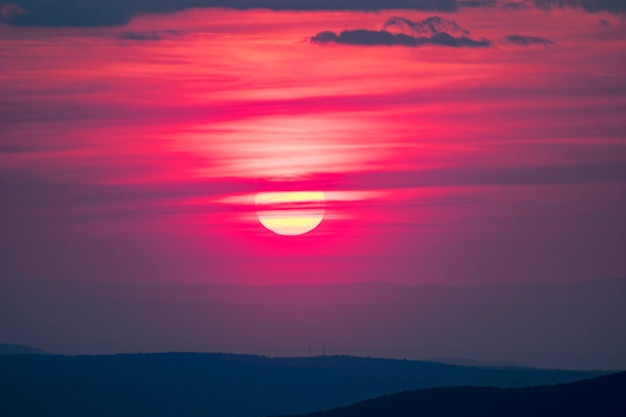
{"x":290,"y":213}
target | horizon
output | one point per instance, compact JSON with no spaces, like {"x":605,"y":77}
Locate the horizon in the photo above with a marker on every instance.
{"x":488,"y":323}
{"x":454,"y":362}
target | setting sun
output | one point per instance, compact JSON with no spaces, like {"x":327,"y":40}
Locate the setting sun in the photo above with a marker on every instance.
{"x":290,"y":213}
{"x":250,"y":208}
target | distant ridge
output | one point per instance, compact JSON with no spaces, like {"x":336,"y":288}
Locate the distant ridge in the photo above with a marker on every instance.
{"x":474,"y":362}
{"x":604,"y":396}
{"x":228,"y":385}
{"x":10,"y":349}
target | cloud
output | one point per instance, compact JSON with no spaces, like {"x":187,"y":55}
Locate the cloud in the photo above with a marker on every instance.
{"x":140,"y":36}
{"x":615,"y":6}
{"x":523,"y":40}
{"x":120,"y":12}
{"x":8,"y":11}
{"x":29,"y":195}
{"x":427,"y":27}
{"x":364,"y":37}
{"x":384,"y":38}
{"x":550,"y":4}
{"x":477,"y":3}
{"x":434,"y":30}
{"x":596,"y":173}
{"x":592,"y":6}
{"x":71,"y":13}
{"x":515,"y":6}
{"x":148,"y":36}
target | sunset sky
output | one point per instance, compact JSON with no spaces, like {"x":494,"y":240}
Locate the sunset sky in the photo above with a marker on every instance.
{"x":456,"y":142}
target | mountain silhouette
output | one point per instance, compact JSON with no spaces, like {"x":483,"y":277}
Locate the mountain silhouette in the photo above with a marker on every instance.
{"x":227,"y":385}
{"x":475,"y":362}
{"x":598,"y":397}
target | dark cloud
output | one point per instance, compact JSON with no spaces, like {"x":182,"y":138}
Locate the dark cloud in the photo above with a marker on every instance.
{"x":427,"y":27}
{"x":477,"y":3}
{"x":8,"y":11}
{"x":365,"y":37}
{"x":588,"y":5}
{"x":140,"y":36}
{"x":520,"y":5}
{"x":71,"y":13}
{"x":384,"y":38}
{"x":148,"y":36}
{"x":550,"y":4}
{"x":615,"y":6}
{"x":592,"y":6}
{"x":87,"y":13}
{"x":523,"y":40}
{"x":119,"y":12}
{"x":434,"y":30}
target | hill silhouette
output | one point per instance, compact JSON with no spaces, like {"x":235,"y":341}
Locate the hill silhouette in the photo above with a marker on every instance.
{"x":598,"y":397}
{"x":474,"y":362}
{"x":10,"y":349}
{"x":226,"y":385}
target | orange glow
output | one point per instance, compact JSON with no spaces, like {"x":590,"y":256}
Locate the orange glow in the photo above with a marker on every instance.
{"x":290,"y":213}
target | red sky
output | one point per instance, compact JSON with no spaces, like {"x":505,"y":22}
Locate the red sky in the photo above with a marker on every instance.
{"x":475,"y":150}
{"x":133,"y":153}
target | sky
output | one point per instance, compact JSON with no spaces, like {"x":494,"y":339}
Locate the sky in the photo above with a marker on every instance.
{"x":457,"y":143}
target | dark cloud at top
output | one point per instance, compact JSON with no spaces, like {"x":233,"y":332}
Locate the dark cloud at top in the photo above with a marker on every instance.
{"x":520,"y":5}
{"x":8,"y":11}
{"x":434,"y":30}
{"x":615,"y":6}
{"x":70,"y":13}
{"x":119,"y":12}
{"x":523,"y":40}
{"x":477,"y":3}
{"x":549,"y":4}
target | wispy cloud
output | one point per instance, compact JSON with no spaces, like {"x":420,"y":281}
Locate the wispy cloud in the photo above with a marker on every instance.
{"x":139,"y":36}
{"x":149,"y":35}
{"x":524,"y":40}
{"x":10,"y":10}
